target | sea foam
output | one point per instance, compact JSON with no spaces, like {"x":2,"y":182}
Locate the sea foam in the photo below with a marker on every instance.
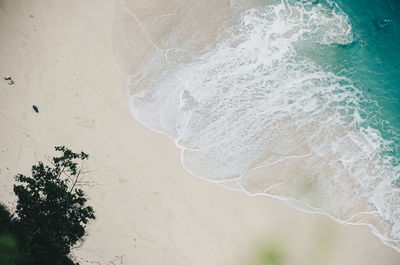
{"x":254,"y":113}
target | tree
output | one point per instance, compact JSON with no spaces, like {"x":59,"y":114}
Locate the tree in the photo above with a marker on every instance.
{"x":51,"y":209}
{"x":5,"y":219}
{"x":8,"y":243}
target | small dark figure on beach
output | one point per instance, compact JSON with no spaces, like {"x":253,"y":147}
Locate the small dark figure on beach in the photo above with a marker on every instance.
{"x":11,"y":82}
{"x":36,"y":109}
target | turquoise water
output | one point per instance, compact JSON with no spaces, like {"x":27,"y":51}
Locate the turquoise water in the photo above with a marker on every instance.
{"x":297,"y":100}
{"x":372,"y":62}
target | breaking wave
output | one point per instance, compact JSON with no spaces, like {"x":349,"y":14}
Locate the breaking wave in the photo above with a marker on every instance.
{"x":257,"y":111}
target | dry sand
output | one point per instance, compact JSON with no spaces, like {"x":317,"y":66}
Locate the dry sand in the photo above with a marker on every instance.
{"x":149,"y":210}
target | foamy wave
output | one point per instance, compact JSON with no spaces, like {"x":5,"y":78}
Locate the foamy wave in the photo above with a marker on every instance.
{"x":254,"y":114}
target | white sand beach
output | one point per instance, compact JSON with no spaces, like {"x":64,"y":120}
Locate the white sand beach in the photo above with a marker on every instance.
{"x":149,"y":210}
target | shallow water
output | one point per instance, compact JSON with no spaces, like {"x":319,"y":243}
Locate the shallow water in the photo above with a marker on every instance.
{"x":298,"y":100}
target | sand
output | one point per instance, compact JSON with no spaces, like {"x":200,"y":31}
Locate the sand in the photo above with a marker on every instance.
{"x":149,"y":210}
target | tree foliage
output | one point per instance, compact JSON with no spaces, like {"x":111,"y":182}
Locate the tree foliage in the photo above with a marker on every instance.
{"x":9,"y":253}
{"x":51,"y":213}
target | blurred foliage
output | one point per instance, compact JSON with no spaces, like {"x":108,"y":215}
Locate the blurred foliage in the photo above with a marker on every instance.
{"x":269,"y":255}
{"x":8,"y":249}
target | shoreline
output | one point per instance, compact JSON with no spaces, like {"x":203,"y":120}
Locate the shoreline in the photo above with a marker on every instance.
{"x":356,"y":216}
{"x":150,"y":210}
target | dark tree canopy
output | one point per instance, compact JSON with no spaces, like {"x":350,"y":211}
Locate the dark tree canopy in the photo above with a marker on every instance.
{"x":8,"y":243}
{"x":5,"y":218}
{"x":51,"y":209}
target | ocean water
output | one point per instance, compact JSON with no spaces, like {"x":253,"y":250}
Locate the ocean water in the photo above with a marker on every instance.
{"x":297,"y":100}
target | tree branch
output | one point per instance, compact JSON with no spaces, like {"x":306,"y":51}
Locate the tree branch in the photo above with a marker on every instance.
{"x":77,"y":177}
